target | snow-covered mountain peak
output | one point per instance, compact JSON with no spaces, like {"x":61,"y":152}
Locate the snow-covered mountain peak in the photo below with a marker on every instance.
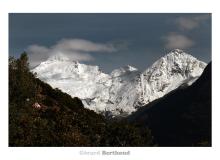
{"x":78,"y":80}
{"x":177,"y":60}
{"x":123,"y":70}
{"x":177,"y":51}
{"x":168,"y":73}
{"x":130,"y":68}
{"x":125,"y":89}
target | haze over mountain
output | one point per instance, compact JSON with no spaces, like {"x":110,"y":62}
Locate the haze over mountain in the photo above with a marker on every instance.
{"x":126,"y":88}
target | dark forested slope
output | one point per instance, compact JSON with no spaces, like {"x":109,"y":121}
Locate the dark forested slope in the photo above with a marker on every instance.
{"x":182,"y":117}
{"x":42,"y":116}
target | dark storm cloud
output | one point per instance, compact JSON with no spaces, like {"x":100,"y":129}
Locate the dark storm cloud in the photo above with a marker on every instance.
{"x":135,"y":39}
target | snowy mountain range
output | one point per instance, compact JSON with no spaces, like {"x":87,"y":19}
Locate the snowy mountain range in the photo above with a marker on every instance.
{"x":126,"y":88}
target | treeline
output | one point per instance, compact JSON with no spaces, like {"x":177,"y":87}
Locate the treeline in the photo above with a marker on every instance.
{"x":42,"y":116}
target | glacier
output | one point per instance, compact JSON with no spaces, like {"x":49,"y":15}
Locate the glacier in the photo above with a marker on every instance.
{"x":124,"y":90}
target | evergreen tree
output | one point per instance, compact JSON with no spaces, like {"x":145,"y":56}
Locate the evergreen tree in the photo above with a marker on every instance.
{"x":61,"y":120}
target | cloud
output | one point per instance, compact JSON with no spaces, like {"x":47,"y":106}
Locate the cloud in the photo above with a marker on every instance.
{"x":174,"y":40}
{"x":74,"y":49}
{"x":83,"y":45}
{"x":121,"y":44}
{"x":189,"y":23}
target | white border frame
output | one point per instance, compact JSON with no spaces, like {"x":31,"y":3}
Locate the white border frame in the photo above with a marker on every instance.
{"x":110,"y":6}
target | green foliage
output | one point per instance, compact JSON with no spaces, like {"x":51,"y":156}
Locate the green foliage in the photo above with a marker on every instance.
{"x":61,"y":120}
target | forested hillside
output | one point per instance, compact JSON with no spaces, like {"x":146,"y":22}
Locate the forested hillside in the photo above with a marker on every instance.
{"x":42,"y":116}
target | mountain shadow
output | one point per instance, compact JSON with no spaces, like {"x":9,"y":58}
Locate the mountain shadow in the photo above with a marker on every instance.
{"x":182,"y":117}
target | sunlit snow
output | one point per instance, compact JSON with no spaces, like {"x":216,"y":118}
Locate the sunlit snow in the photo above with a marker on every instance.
{"x":125,"y":89}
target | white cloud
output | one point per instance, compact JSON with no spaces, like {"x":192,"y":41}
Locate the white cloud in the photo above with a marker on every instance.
{"x":83,"y":45}
{"x":174,"y":40}
{"x":74,"y":49}
{"x":189,"y":23}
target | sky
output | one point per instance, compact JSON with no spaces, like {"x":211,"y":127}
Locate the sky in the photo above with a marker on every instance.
{"x":109,"y":40}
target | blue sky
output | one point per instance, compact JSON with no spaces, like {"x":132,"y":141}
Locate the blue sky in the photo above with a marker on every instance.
{"x":109,"y":40}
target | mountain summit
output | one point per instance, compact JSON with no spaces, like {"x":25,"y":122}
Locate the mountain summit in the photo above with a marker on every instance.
{"x":125,"y":89}
{"x":168,"y":73}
